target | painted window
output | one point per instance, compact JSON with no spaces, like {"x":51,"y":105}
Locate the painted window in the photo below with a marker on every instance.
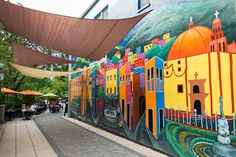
{"x":180,"y":88}
{"x":179,"y":69}
{"x":159,"y":80}
{"x":148,"y":80}
{"x":152,"y":79}
{"x":196,"y":89}
{"x":103,"y":14}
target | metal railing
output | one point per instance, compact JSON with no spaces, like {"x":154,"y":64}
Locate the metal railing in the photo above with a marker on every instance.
{"x":200,"y":120}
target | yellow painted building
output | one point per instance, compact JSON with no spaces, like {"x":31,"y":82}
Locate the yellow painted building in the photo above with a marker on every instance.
{"x":112,"y":81}
{"x":89,"y":86}
{"x":147,"y":47}
{"x":195,"y":76}
{"x":167,"y":38}
{"x":83,"y":92}
{"x":135,"y":57}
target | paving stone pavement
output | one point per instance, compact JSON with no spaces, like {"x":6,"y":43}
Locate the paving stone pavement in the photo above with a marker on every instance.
{"x":71,"y":140}
{"x":22,"y":138}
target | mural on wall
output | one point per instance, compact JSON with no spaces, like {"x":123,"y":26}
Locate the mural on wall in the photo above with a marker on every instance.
{"x":174,"y":91}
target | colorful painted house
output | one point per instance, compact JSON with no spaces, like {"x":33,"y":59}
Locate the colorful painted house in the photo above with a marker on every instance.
{"x":83,"y":92}
{"x":126,"y":99}
{"x":194,"y":80}
{"x":112,"y":81}
{"x":138,"y":49}
{"x":154,"y":92}
{"x":147,"y":47}
{"x":167,"y":38}
{"x":138,"y":91}
{"x":135,"y":57}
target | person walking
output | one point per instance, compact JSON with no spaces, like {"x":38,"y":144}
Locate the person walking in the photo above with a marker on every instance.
{"x":66,"y":107}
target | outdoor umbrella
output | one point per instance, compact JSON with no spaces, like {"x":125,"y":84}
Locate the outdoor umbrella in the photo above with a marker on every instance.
{"x":29,"y":92}
{"x":49,"y":95}
{"x":8,"y":91}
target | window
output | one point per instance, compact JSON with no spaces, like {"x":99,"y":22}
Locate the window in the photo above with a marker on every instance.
{"x":167,"y":73}
{"x":110,"y":90}
{"x":179,"y":62}
{"x":196,"y":89}
{"x":179,"y":69}
{"x":114,"y":77}
{"x":115,"y":90}
{"x":110,"y":77}
{"x":161,"y":78}
{"x":107,"y":91}
{"x":123,"y":77}
{"x":219,"y":47}
{"x":148,"y":80}
{"x":224,"y":47}
{"x":152,"y":73}
{"x":180,"y":88}
{"x":152,"y":78}
{"x":164,"y":64}
{"x":148,"y":76}
{"x":157,"y":73}
{"x":103,"y":14}
{"x":120,"y":78}
{"x":107,"y":78}
{"x":143,"y":4}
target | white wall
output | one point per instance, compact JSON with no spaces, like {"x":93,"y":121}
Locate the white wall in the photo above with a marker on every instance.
{"x":119,"y":8}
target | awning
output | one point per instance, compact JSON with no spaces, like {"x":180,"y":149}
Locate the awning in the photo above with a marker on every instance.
{"x":30,"y":92}
{"x":8,"y":91}
{"x":37,"y":73}
{"x":29,"y":57}
{"x":85,"y":38}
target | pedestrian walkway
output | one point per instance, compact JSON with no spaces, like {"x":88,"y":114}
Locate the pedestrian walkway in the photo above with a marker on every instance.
{"x":22,"y":138}
{"x":145,"y":151}
{"x":72,"y":138}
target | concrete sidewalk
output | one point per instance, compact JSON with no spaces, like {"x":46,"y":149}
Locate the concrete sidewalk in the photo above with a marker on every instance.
{"x":145,"y":151}
{"x":22,"y":138}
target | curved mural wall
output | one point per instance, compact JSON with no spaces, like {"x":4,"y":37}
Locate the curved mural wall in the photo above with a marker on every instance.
{"x":171,"y":82}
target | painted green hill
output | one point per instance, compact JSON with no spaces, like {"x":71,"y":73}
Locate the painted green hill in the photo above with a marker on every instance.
{"x":174,"y":18}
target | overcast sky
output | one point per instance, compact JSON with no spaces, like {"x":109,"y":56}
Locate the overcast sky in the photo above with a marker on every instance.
{"x":73,"y":8}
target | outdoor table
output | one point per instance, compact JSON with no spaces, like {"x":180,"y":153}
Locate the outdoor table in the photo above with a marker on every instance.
{"x":9,"y":114}
{"x":39,"y":109}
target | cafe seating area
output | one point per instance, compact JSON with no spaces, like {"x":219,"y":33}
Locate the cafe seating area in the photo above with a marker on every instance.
{"x":24,"y":111}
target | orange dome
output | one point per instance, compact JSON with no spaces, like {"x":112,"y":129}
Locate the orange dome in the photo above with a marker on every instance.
{"x":192,"y":42}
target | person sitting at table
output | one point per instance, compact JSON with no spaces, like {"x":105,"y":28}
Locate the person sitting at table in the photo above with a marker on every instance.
{"x":27,"y":112}
{"x":33,"y":108}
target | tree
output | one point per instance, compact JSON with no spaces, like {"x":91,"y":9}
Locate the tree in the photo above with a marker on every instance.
{"x":154,"y":51}
{"x":113,"y":52}
{"x":115,"y":59}
{"x":101,"y":94}
{"x":162,"y":53}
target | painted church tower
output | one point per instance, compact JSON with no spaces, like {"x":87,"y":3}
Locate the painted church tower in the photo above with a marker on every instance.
{"x":218,"y":40}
